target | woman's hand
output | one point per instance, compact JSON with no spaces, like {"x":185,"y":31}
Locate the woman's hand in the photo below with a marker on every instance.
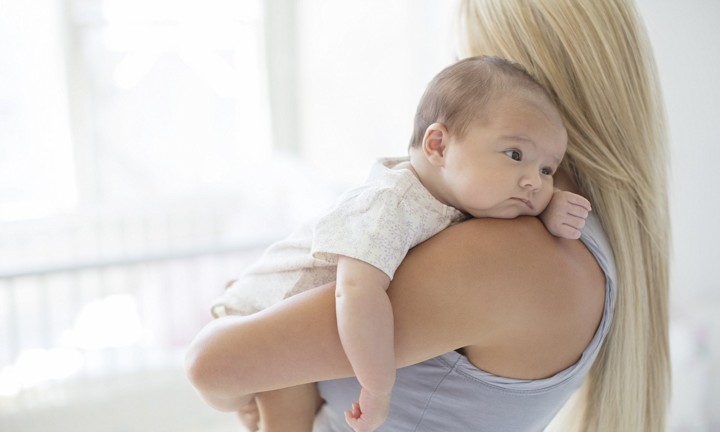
{"x":249,"y":416}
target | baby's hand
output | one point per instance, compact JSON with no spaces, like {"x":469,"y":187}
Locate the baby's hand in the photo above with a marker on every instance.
{"x":369,"y":412}
{"x":565,"y":215}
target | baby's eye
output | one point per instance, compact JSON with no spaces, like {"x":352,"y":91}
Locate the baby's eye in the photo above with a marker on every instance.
{"x":514,"y":154}
{"x":546,"y":171}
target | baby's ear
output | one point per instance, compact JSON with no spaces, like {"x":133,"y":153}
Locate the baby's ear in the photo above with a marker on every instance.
{"x":434,"y":144}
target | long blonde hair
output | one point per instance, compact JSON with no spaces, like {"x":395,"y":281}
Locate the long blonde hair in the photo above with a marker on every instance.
{"x":595,"y":57}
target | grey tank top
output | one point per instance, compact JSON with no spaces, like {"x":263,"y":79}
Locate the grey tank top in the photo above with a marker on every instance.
{"x":448,"y":393}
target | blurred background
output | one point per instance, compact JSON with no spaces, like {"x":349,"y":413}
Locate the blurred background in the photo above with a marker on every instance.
{"x":149,"y":150}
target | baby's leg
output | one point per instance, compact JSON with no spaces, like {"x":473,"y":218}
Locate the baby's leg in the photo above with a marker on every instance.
{"x":289,"y":409}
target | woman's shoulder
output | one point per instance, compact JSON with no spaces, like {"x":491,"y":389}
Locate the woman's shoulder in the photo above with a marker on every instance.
{"x":549,"y":296}
{"x":523,"y":294}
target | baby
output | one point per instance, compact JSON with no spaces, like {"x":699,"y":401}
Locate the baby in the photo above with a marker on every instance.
{"x":487,"y":140}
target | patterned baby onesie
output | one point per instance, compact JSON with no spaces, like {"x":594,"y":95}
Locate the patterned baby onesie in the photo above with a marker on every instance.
{"x":377,"y":223}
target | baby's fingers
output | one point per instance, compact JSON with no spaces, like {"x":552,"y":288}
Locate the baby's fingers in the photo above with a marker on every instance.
{"x":354,"y":411}
{"x":579,"y":201}
{"x":568,"y":227}
{"x":572,"y":221}
{"x":566,"y":231}
{"x":577,"y":211}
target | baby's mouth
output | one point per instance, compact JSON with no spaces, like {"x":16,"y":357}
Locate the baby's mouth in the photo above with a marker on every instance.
{"x":527,"y":203}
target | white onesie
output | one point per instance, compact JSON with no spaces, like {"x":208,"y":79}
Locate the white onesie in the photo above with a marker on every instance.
{"x":377,"y":223}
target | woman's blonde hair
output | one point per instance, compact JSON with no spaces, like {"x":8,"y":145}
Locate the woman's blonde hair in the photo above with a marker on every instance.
{"x":595,"y":58}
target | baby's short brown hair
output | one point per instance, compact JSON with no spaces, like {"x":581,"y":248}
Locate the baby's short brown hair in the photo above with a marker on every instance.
{"x":461,"y":92}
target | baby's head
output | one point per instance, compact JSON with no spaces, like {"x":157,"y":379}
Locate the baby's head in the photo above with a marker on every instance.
{"x":488,"y":138}
{"x":461,"y":93}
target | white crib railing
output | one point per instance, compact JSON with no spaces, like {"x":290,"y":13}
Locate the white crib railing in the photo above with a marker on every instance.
{"x":89,"y":305}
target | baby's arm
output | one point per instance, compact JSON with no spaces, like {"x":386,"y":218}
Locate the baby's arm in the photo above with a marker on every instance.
{"x":565,"y":214}
{"x":365,"y":325}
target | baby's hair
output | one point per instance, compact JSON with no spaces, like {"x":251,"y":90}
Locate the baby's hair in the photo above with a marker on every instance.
{"x":459,"y":94}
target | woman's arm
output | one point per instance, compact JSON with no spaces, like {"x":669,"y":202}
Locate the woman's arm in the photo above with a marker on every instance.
{"x":501,"y":289}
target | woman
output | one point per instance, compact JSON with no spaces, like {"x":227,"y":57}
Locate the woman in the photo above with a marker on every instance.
{"x":489,"y":336}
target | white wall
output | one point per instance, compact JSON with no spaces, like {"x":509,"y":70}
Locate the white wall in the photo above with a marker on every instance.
{"x":363,"y":67}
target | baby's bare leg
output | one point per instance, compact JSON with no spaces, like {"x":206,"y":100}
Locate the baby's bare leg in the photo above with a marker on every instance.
{"x":289,"y":409}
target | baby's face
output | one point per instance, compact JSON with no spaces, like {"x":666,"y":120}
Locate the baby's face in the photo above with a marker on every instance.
{"x":503,"y":166}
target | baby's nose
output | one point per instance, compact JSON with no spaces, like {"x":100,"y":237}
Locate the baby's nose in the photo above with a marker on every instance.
{"x":531,"y":180}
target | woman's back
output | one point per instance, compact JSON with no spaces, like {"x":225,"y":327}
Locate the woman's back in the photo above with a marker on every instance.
{"x":455,"y":392}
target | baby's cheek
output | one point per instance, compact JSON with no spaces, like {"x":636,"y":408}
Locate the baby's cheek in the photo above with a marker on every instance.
{"x":544,"y":199}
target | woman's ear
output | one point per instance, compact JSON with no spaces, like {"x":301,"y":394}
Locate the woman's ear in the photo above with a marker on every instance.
{"x":435,"y":143}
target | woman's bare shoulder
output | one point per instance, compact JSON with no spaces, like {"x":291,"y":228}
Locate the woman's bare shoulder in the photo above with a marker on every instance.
{"x":508,"y":291}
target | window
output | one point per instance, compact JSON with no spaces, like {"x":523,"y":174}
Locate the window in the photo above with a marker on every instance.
{"x":117,"y":102}
{"x":36,"y":158}
{"x":171,"y":96}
